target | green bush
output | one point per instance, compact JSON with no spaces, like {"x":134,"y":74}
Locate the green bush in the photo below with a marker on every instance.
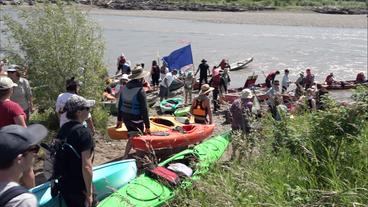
{"x":56,"y":42}
{"x":100,"y":117}
{"x":48,"y":118}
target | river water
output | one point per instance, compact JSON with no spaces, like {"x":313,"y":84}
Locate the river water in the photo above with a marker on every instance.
{"x":342,"y":51}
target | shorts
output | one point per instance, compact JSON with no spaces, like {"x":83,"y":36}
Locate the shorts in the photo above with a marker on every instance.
{"x":134,"y":127}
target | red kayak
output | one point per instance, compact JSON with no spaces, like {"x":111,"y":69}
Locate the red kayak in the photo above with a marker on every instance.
{"x":187,"y":135}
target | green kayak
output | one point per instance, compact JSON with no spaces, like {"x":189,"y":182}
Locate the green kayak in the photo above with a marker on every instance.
{"x":182,"y":111}
{"x":146,"y":191}
{"x":171,"y":104}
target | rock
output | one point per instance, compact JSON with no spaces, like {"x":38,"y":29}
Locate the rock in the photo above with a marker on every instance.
{"x":336,"y":10}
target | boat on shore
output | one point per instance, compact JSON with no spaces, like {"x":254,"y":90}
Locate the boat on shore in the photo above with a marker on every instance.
{"x":147,"y":191}
{"x":344,"y":85}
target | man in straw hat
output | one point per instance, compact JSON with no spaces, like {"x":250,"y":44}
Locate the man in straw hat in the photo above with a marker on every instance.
{"x":203,"y":70}
{"x":240,"y":110}
{"x":201,"y":107}
{"x":132,"y":109}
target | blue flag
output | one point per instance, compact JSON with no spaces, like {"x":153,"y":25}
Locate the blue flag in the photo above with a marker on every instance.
{"x":179,"y":58}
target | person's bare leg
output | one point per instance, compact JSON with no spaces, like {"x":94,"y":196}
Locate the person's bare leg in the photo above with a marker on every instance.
{"x":128,"y":147}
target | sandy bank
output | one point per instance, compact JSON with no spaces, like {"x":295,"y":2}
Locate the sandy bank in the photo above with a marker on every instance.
{"x":285,"y":18}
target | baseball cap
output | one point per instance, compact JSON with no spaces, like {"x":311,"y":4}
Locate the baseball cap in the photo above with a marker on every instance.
{"x":15,"y":140}
{"x":76,"y":103}
{"x":6,"y":83}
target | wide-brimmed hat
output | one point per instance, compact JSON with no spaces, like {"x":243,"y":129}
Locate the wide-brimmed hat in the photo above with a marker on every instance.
{"x":138,"y":73}
{"x":205,"y":88}
{"x":6,"y":83}
{"x":246,"y":93}
{"x":203,"y":60}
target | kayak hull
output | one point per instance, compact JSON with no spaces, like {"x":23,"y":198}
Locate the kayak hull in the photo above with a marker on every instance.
{"x":106,"y":179}
{"x":145,"y":191}
{"x":194,"y":133}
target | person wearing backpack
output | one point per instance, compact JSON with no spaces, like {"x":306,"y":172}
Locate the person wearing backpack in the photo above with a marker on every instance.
{"x":201,"y":107}
{"x":73,"y":162}
{"x":18,"y":147}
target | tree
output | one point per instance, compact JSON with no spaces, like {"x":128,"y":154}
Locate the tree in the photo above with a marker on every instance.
{"x":58,"y":42}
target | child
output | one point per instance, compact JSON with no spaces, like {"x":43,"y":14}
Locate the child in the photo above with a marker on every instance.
{"x":188,"y":85}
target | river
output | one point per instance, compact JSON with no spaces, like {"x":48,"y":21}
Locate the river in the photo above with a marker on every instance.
{"x":342,"y":51}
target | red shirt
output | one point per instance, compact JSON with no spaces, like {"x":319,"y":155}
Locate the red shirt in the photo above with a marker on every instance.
{"x":9,"y":110}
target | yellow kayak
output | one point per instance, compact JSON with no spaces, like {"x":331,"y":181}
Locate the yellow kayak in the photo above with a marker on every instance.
{"x":159,"y":123}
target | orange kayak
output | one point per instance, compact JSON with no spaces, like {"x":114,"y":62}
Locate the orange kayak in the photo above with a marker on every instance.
{"x":193,"y":133}
{"x":160,"y":123}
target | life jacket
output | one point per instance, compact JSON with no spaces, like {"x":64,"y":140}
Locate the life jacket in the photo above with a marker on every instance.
{"x":198,"y":110}
{"x":122,"y":60}
{"x":130,"y":103}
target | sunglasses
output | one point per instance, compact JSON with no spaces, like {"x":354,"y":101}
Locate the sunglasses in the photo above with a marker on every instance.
{"x":86,"y":108}
{"x":34,"y":149}
{"x":10,"y":71}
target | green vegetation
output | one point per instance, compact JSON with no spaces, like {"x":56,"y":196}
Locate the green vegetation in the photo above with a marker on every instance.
{"x":313,"y":159}
{"x":57,"y":43}
{"x":283,"y":3}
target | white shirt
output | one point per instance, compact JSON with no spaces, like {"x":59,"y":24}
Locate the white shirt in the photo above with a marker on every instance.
{"x":285,"y":81}
{"x":169,"y":78}
{"x":60,"y":103}
{"x":22,"y":200}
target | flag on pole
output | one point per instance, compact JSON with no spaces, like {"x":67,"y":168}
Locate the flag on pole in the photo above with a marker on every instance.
{"x":180,"y":59}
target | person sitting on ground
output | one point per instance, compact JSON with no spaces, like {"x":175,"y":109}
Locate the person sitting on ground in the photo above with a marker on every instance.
{"x":360,"y":78}
{"x":330,"y":79}
{"x":285,"y":81}
{"x":241,"y":110}
{"x":204,"y":71}
{"x":22,"y":93}
{"x":72,"y":88}
{"x":18,"y":145}
{"x":165,"y":86}
{"x":270,"y":79}
{"x":201,"y":108}
{"x":108,"y":94}
{"x":155,"y":74}
{"x":132,"y":109}
{"x":75,"y":172}
{"x":215,"y":82}
{"x":189,"y":81}
{"x":309,"y":79}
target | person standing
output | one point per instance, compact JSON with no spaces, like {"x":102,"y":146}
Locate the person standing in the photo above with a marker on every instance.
{"x":201,"y":108}
{"x":155,"y":74}
{"x":270,"y":79}
{"x":75,"y":167}
{"x":18,"y":145}
{"x":165,"y":86}
{"x":203,"y":70}
{"x":309,"y":79}
{"x":300,"y":84}
{"x":132,"y":109}
{"x":215,"y":82}
{"x":72,"y":88}
{"x":22,"y":94}
{"x":241,"y":110}
{"x":188,"y":86}
{"x":285,"y":81}
{"x":163,"y":71}
{"x":120,"y":63}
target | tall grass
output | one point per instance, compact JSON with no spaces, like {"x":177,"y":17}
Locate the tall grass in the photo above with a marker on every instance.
{"x":314,"y":159}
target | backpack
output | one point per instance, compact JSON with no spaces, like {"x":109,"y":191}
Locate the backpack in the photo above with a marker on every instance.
{"x":11,"y":193}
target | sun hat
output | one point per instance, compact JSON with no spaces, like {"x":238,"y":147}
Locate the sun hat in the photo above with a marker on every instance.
{"x":203,"y":60}
{"x":205,"y":88}
{"x":246,"y":93}
{"x":75,"y":103}
{"x":13,"y":68}
{"x":138,"y":73}
{"x":16,"y":139}
{"x":6,"y":83}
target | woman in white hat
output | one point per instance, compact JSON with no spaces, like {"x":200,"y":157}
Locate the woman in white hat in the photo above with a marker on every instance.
{"x":201,"y":108}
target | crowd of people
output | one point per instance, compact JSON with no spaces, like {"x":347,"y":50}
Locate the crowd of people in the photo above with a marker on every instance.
{"x":19,"y":141}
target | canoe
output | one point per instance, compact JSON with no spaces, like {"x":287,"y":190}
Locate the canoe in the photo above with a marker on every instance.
{"x":145,"y":191}
{"x":161,"y":123}
{"x":171,"y":104}
{"x":240,"y":64}
{"x":173,"y":138}
{"x":182,"y":111}
{"x":175,"y":85}
{"x":231,"y":97}
{"x":107,"y":178}
{"x":344,"y":85}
